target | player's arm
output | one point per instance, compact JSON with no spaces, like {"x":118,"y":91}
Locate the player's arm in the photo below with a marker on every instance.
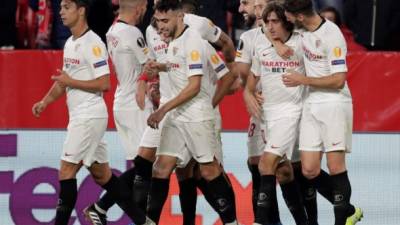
{"x":55,"y":92}
{"x":252,"y":104}
{"x":333,"y":81}
{"x":189,"y":92}
{"x":227,"y":47}
{"x":244,"y":71}
{"x":224,"y":87}
{"x":99,"y":84}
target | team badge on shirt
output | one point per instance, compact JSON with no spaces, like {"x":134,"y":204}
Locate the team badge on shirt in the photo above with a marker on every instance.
{"x":140,"y":42}
{"x":195,"y":55}
{"x":214,"y":59}
{"x":337,"y":52}
{"x":96,"y":51}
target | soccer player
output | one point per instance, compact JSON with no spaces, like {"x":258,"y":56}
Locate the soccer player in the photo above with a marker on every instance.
{"x":158,"y":47}
{"x":190,"y":124}
{"x":282,"y":109}
{"x":327,"y":117}
{"x":256,"y":137}
{"x":128,"y":51}
{"x":85,"y":75}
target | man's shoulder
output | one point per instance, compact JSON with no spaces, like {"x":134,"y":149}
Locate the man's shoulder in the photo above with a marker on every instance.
{"x":250,"y":34}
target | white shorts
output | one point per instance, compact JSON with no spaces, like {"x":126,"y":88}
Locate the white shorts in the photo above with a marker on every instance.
{"x":84,"y":143}
{"x":282,"y":135}
{"x":130,"y":126}
{"x":256,"y":137}
{"x":186,"y":140}
{"x":326,"y":127}
{"x":151,"y":137}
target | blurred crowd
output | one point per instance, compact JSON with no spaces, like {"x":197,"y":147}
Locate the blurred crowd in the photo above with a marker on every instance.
{"x":36,"y":24}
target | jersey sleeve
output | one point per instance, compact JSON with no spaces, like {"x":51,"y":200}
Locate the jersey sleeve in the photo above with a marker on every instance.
{"x":207,"y":29}
{"x":97,"y":58}
{"x":195,"y":55}
{"x":336,"y":50}
{"x":152,"y":54}
{"x":244,"y":50}
{"x":256,"y":65}
{"x":216,"y":62}
{"x":138,"y":45}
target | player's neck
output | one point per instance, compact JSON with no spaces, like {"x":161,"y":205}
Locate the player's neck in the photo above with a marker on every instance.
{"x":179,"y":30}
{"x":313,"y":23}
{"x":79,"y":29}
{"x":128,"y":18}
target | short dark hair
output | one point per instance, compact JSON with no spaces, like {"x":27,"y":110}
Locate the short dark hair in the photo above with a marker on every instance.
{"x":193,"y":5}
{"x":299,"y":6}
{"x":338,"y":20}
{"x":166,"y":5}
{"x":280,"y":13}
{"x":83,"y":3}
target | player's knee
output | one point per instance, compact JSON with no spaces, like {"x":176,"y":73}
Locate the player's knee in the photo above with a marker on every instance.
{"x":265,"y":168}
{"x":336,"y":168}
{"x":162,"y":169}
{"x":210,"y":172}
{"x":284,"y":174}
{"x":310,"y":172}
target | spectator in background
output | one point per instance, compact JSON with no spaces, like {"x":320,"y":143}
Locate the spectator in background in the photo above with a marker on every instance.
{"x":337,"y":4}
{"x":51,"y":33}
{"x":8,"y":30}
{"x":101,"y":16}
{"x":375,"y":23}
{"x":332,"y":14}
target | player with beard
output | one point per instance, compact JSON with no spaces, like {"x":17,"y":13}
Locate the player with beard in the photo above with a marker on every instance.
{"x":326,"y":124}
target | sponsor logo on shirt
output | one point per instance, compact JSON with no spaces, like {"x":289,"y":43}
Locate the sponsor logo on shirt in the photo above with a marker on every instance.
{"x":338,"y":62}
{"x":160,"y":47}
{"x":96,"y":51}
{"x":100,"y":64}
{"x":337,"y":52}
{"x":71,"y":61}
{"x":311,"y":56}
{"x":195,"y":66}
{"x":195,"y":55}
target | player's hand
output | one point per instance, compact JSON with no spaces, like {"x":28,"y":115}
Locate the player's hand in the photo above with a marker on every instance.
{"x":259,"y":97}
{"x":152,"y":68}
{"x":38,"y":108}
{"x":252,"y":105}
{"x":292,"y":78}
{"x":155,"y":118}
{"x":284,"y":51}
{"x":62,"y":78}
{"x":141,"y":94}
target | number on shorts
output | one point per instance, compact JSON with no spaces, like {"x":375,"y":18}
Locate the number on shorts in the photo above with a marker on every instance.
{"x":252,"y":127}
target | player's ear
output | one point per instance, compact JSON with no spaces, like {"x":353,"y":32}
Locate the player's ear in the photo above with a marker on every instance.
{"x":180,"y":14}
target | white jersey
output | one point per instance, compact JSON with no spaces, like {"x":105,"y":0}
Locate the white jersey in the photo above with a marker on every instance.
{"x":187,"y":57}
{"x":245,"y":49}
{"x":85,"y":58}
{"x":158,"y":50}
{"x":325,"y":54}
{"x":279,"y":101}
{"x":128,"y":51}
